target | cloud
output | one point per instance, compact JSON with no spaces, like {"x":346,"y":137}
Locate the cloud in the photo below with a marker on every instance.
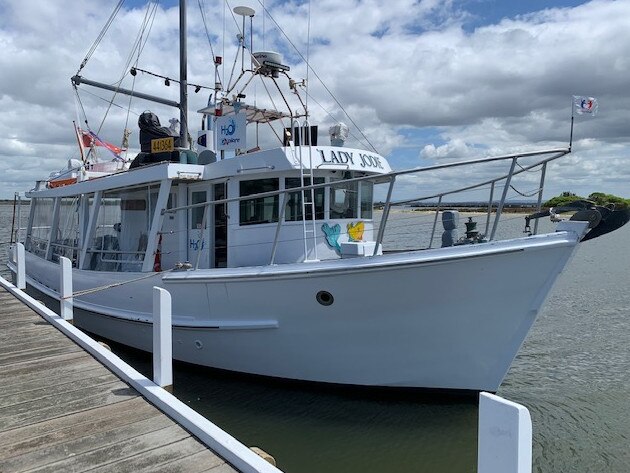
{"x":394,"y":66}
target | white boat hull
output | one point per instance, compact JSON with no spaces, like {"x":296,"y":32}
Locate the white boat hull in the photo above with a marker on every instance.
{"x":450,"y":318}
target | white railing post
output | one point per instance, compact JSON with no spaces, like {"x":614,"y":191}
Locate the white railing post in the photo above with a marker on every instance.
{"x":20,"y":262}
{"x":505,"y":436}
{"x":162,"y":339}
{"x":65,"y":289}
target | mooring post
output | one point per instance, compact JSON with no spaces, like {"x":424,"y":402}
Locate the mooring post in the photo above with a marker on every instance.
{"x":162,"y":339}
{"x":20,"y":262}
{"x":65,"y":289}
{"x":505,"y":436}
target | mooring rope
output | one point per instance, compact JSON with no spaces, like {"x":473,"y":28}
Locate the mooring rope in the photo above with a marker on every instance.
{"x":116,"y":284}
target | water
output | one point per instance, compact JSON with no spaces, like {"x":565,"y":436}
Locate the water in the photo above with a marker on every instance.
{"x":572,"y":373}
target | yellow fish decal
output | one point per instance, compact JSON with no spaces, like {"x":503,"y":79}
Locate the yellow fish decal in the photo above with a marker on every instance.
{"x":355,"y":231}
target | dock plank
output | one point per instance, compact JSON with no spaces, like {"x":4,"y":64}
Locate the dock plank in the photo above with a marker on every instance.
{"x":20,"y":414}
{"x":72,"y":362}
{"x":66,"y":428}
{"x":110,"y":453}
{"x":151,"y":460}
{"x":36,"y":354}
{"x":53,"y":380}
{"x":61,"y":410}
{"x":196,"y":463}
{"x":78,"y":453}
{"x":60,"y":390}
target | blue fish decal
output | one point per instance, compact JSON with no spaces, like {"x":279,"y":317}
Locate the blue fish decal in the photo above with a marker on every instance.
{"x":332,"y":236}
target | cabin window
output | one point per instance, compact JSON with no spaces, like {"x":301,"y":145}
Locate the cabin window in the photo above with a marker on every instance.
{"x":293,"y":210}
{"x":259,"y":210}
{"x":196,"y":213}
{"x":37,"y":239}
{"x":66,"y":241}
{"x":122,"y":227}
{"x":344,"y":199}
{"x":367,"y":194}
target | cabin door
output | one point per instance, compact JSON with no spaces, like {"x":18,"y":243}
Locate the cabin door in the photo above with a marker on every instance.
{"x":198,"y":233}
{"x":220,"y":240}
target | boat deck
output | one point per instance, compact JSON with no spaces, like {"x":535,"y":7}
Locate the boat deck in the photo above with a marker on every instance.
{"x":62,"y":410}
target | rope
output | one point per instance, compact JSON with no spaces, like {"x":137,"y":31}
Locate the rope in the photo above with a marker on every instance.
{"x":139,"y":46}
{"x":319,"y":78}
{"x":525,"y":194}
{"x":202,"y":7}
{"x":527,"y":170}
{"x":101,"y":35}
{"x":116,"y":284}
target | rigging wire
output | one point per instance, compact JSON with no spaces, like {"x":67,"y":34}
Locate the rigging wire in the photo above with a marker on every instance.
{"x":319,"y":78}
{"x":202,"y":7}
{"x":139,"y":46}
{"x":308,"y":51}
{"x":126,"y":132}
{"x":101,"y":35}
{"x":114,"y":104}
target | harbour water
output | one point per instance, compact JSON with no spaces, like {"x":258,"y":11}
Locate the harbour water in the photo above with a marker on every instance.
{"x":572,"y":373}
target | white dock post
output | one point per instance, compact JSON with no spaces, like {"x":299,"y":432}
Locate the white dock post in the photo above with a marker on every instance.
{"x":20,"y":262}
{"x":162,"y":339}
{"x":505,"y":436}
{"x":65,"y":289}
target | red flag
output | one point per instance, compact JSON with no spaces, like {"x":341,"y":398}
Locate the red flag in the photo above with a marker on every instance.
{"x":90,"y":139}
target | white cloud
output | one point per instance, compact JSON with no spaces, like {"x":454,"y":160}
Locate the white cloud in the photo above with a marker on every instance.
{"x":455,"y":149}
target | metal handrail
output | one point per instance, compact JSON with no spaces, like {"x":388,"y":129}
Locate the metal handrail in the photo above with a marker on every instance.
{"x":387,"y":176}
{"x":391,"y":177}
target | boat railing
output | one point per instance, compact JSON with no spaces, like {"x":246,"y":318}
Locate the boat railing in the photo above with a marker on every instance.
{"x":545,"y":156}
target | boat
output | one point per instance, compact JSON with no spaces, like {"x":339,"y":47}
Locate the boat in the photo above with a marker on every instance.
{"x":275,"y":256}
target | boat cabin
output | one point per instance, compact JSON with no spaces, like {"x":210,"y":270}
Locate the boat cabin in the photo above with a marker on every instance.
{"x":229,"y":213}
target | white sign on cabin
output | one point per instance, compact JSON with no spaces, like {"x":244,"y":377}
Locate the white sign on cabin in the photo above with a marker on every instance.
{"x":231,"y":132}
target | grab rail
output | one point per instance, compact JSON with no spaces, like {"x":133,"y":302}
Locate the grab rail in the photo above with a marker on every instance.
{"x":555,"y":153}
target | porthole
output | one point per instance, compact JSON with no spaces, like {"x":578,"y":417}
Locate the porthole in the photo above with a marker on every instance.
{"x":325,"y":298}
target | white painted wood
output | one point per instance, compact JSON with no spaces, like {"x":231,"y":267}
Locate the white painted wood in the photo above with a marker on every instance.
{"x":20,"y":261}
{"x":222,"y":443}
{"x":91,"y":228}
{"x":162,"y":338}
{"x":65,"y":301}
{"x":53,"y":228}
{"x":505,"y":436}
{"x":156,"y":225}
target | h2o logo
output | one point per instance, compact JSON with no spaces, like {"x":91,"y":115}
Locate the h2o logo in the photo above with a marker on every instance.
{"x":229,"y":129}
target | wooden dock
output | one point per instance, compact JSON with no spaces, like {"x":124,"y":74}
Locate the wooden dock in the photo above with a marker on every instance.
{"x":63,"y":411}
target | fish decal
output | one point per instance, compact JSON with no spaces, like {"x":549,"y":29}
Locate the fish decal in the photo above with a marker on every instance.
{"x":355,"y":231}
{"x":332,"y":236}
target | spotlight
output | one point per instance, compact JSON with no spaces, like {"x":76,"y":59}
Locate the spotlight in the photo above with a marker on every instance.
{"x":167,"y":82}
{"x":133,"y":71}
{"x":197,"y":88}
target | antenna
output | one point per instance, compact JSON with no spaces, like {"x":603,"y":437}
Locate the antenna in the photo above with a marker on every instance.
{"x":246,"y":12}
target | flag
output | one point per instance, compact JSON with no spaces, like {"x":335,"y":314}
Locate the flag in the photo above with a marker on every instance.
{"x":585,"y":105}
{"x":89,"y":139}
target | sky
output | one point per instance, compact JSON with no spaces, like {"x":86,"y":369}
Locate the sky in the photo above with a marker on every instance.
{"x":426,"y":82}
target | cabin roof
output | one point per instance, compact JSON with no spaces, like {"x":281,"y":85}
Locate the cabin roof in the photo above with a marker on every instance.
{"x":255,"y":164}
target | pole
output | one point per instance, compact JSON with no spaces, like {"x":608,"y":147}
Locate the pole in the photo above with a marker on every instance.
{"x":77,"y":80}
{"x":13,"y":220}
{"x":20,"y":262}
{"x":65,"y":289}
{"x":572,"y":118}
{"x":162,"y":339}
{"x":504,"y":436}
{"x":183,"y":79}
